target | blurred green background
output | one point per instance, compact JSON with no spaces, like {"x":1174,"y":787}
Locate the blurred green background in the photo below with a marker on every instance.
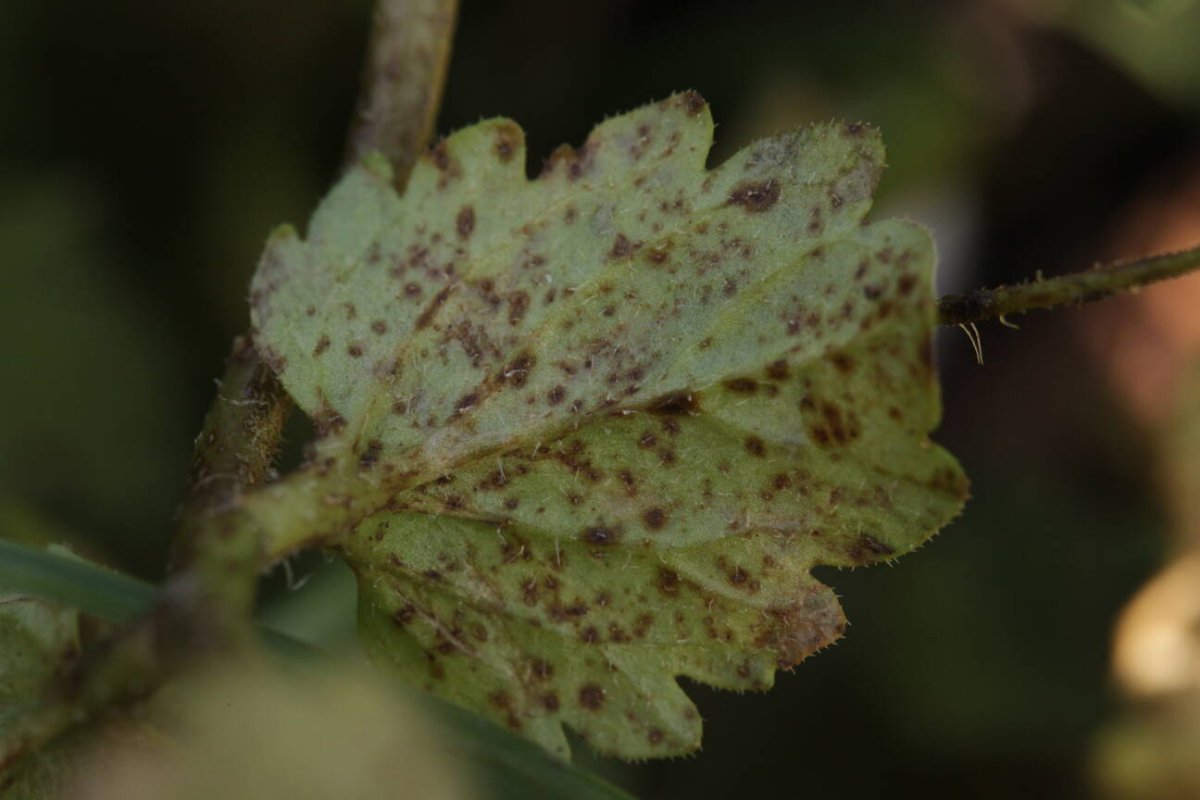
{"x":147,"y":148}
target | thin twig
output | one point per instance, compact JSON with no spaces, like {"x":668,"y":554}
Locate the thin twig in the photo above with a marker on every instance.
{"x":402,"y":82}
{"x":1078,"y":287}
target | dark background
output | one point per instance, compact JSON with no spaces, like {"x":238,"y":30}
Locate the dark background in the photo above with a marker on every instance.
{"x":147,"y":148}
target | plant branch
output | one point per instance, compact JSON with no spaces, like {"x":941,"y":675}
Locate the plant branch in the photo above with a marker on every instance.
{"x":402,"y":82}
{"x":1077,"y":287}
{"x":205,"y":605}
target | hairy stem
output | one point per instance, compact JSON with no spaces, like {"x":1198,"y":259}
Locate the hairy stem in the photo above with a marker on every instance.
{"x":403,"y":78}
{"x":1097,"y":283}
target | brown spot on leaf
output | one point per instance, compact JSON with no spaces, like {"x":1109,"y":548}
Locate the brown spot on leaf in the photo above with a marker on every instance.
{"x":842,"y":362}
{"x":574,"y":162}
{"x":756,"y":446}
{"x":370,"y":455}
{"x":692,"y":102}
{"x":815,"y":224}
{"x":835,"y":426}
{"x":655,"y":519}
{"x":668,"y":581}
{"x":777,"y":370}
{"x":464,"y":223}
{"x":601,"y":536}
{"x":322,"y":346}
{"x":867,"y":548}
{"x":518,"y":305}
{"x":622,"y":248}
{"x":439,"y":156}
{"x":404,"y":615}
{"x":755,"y":197}
{"x":742,"y":385}
{"x":676,"y":404}
{"x":516,"y":374}
{"x":556,"y":395}
{"x":508,"y":138}
{"x":431,"y":309}
{"x":591,"y":696}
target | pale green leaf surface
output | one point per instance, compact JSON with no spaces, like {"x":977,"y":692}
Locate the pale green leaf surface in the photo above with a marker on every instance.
{"x":583,"y":434}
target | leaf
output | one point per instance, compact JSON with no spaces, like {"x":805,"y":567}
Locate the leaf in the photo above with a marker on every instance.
{"x":38,"y":640}
{"x":583,"y":434}
{"x":58,"y":575}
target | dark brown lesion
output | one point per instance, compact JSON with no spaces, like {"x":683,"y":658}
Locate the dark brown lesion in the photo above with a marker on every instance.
{"x":755,"y":196}
{"x":866,"y":549}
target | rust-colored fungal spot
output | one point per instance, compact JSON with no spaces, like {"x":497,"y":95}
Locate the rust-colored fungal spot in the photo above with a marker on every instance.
{"x":464,"y":223}
{"x":601,"y":536}
{"x":755,"y":446}
{"x":755,"y":196}
{"x":622,"y":248}
{"x":431,"y":309}
{"x":668,"y":581}
{"x":439,"y":156}
{"x":516,"y":373}
{"x":556,"y":395}
{"x":867,"y":548}
{"x":591,"y":696}
{"x":322,"y":346}
{"x":777,"y":370}
{"x":676,"y":404}
{"x":574,"y":163}
{"x":508,"y":139}
{"x":655,"y":519}
{"x":518,"y":305}
{"x":370,"y":454}
{"x":742,"y":385}
{"x":693,"y":103}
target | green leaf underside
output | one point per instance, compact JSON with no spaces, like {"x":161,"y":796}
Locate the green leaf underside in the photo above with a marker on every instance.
{"x":583,"y":434}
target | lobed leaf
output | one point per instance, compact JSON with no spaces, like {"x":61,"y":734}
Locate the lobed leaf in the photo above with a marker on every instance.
{"x":583,"y":434}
